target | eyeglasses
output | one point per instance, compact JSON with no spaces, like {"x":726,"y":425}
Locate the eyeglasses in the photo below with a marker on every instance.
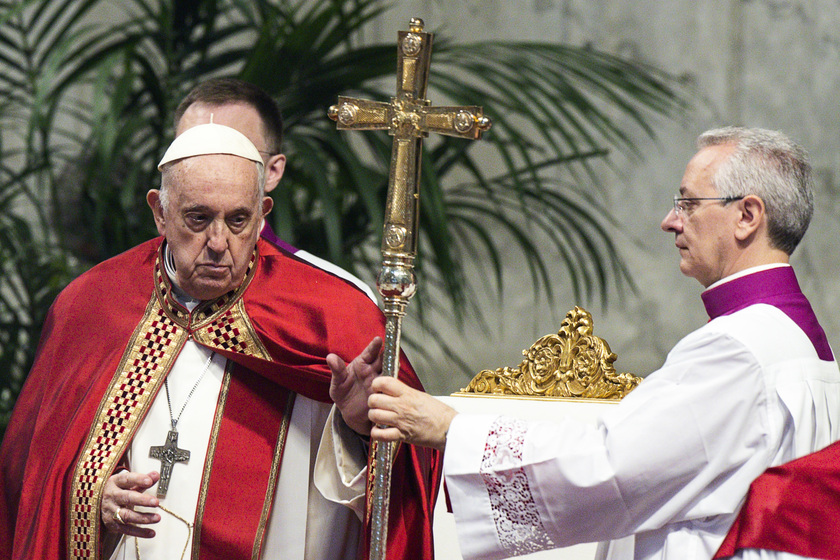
{"x":684,"y":206}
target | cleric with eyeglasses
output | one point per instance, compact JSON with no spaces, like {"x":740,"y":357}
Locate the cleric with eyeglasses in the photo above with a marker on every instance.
{"x":664,"y":473}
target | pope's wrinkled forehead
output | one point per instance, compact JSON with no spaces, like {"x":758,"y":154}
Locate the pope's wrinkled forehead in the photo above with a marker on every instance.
{"x":211,"y":138}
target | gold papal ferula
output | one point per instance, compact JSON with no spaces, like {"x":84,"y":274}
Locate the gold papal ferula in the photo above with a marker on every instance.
{"x":574,"y":363}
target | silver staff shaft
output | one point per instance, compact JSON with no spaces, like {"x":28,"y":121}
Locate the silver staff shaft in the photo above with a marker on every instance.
{"x":396,"y":283}
{"x":385,"y":450}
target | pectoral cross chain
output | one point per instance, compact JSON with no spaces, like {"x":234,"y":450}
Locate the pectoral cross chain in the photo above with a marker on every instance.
{"x":168,"y":454}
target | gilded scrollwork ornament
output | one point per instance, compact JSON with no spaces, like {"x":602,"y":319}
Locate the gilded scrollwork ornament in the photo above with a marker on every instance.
{"x":574,"y":363}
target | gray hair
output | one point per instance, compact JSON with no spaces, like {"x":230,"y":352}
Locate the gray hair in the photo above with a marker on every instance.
{"x":166,"y":172}
{"x":771,"y":166}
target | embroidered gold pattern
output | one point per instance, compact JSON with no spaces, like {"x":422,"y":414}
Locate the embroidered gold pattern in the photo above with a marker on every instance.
{"x":232,"y":330}
{"x":156,"y":341}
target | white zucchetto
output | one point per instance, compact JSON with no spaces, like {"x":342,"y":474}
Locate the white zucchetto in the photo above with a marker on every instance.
{"x":207,"y":139}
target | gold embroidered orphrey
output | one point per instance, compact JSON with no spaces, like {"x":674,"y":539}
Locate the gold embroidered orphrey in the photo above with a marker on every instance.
{"x":574,"y":363}
{"x":164,"y":329}
{"x":409,"y":118}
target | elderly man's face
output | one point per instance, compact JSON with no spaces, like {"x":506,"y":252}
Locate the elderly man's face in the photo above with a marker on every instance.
{"x":704,"y":233}
{"x":211,"y":222}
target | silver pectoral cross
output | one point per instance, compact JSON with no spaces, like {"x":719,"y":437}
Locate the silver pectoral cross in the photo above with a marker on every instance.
{"x":168,"y":454}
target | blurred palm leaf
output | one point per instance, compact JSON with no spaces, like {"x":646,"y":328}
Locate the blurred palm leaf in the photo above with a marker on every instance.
{"x":88,"y":87}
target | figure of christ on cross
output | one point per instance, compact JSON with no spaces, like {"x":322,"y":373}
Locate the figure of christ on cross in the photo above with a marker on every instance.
{"x":168,"y":454}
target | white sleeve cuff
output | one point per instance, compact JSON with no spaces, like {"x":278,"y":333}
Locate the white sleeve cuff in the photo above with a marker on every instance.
{"x":341,"y":465}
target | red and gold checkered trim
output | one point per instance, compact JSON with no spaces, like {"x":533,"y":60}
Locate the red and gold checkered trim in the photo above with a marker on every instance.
{"x":150,"y":354}
{"x":233,"y":331}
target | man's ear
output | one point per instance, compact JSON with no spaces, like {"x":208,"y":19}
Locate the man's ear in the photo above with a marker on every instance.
{"x":751,"y":218}
{"x":274,"y":171}
{"x":267,"y":205}
{"x":153,"y":199}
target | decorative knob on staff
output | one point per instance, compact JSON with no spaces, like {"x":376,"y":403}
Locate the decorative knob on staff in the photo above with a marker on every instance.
{"x":409,"y":118}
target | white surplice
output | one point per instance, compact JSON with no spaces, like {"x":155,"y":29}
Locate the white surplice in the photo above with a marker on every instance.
{"x":670,"y":465}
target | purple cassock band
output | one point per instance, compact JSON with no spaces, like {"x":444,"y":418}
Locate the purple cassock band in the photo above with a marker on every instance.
{"x":777,"y":287}
{"x":268,"y":234}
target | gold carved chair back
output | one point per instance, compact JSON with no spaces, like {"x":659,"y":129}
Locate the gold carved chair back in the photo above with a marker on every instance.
{"x":574,"y":363}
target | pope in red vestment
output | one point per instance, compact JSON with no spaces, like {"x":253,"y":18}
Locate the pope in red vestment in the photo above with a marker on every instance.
{"x":109,"y":342}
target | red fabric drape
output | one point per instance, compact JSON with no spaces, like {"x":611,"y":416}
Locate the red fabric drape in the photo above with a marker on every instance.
{"x":792,"y":508}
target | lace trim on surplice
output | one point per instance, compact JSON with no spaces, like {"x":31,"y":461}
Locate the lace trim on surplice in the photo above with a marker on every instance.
{"x":518,"y":524}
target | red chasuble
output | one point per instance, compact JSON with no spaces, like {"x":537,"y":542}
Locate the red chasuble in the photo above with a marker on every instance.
{"x":792,"y":508}
{"x":108,"y":343}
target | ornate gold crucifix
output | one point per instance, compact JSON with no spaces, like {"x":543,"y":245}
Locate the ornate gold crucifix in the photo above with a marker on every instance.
{"x":409,"y":118}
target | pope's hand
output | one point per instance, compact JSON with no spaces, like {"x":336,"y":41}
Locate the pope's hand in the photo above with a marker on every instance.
{"x":122,"y":493}
{"x":350,"y":385}
{"x":401,"y":413}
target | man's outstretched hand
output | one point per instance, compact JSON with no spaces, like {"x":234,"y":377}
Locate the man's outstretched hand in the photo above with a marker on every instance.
{"x":351,"y":385}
